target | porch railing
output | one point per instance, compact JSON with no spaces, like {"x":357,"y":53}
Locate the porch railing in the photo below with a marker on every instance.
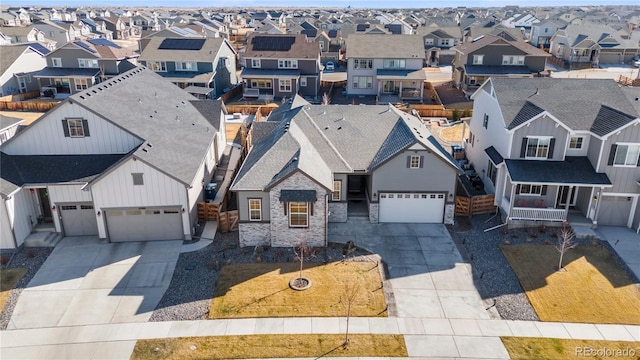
{"x":248,"y":92}
{"x":410,"y":94}
{"x":526,"y":213}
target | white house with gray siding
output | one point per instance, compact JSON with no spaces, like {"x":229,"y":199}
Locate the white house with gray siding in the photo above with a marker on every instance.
{"x":553,"y":150}
{"x":125,"y":160}
{"x":314,"y":164}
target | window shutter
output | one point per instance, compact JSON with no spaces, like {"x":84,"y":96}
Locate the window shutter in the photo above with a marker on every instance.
{"x":638,"y":162}
{"x":286,"y":207}
{"x":310,"y":205}
{"x":518,"y":189}
{"x":523,"y":148}
{"x":85,"y":127}
{"x":421,"y":162}
{"x":612,"y":154}
{"x":544,"y":190}
{"x":408,"y":161}
{"x":65,"y":128}
{"x":552,"y":144}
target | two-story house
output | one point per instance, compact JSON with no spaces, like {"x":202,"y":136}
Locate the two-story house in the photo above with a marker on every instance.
{"x":18,"y":65}
{"x":558,"y":149}
{"x":278,"y":66}
{"x":204,"y":67}
{"x":541,"y":33}
{"x":590,"y":45}
{"x":495,"y":56}
{"x":54,"y":31}
{"x":314,"y":164}
{"x":439,"y":43}
{"x":125,"y":160}
{"x":78,"y":65}
{"x":393,"y":70}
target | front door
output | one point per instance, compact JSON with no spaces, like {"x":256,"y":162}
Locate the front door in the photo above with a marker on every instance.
{"x":389,"y":87}
{"x":45,"y":204}
{"x":562,"y":196}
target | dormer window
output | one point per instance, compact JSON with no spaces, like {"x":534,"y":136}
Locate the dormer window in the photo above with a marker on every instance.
{"x":255,"y":63}
{"x":287,"y":64}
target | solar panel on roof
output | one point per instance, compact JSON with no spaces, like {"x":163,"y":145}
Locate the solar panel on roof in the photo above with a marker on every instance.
{"x":181,"y":44}
{"x":84,"y":46}
{"x":41,"y":49}
{"x":103,"y":42}
{"x":273,"y":43}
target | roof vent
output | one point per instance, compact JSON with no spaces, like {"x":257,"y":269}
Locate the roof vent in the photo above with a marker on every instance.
{"x":145,"y":150}
{"x":139,"y":101}
{"x":81,"y":97}
{"x":326,"y":128}
{"x":149,"y":145}
{"x":339,"y":127}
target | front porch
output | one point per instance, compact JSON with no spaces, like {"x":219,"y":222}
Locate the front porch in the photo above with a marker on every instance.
{"x":402,"y":84}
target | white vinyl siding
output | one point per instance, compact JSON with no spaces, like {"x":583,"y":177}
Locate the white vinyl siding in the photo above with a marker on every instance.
{"x":46,"y":136}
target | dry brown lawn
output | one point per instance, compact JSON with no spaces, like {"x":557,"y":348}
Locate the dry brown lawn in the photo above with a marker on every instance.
{"x":270,"y":346}
{"x":28,"y":117}
{"x":522,"y":348}
{"x":262,"y":290}
{"x":8,"y":280}
{"x":592,"y":288}
{"x":453,"y":134}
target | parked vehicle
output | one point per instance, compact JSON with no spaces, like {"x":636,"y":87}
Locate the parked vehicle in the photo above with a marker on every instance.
{"x":636,"y":61}
{"x":329,"y":66}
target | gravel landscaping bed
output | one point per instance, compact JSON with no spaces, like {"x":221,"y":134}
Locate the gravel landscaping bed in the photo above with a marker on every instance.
{"x":491,"y":269}
{"x":30,"y":259}
{"x":196,"y":274}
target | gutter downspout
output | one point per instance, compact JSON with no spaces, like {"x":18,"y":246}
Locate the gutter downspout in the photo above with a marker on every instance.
{"x":326,"y":225}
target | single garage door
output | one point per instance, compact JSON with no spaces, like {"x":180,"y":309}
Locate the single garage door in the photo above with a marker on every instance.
{"x":411,"y":208}
{"x":615,"y":210}
{"x":610,"y":58}
{"x":78,"y":220}
{"x":144,"y":225}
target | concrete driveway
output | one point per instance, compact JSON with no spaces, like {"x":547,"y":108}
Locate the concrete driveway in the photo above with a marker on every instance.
{"x":84,"y":282}
{"x":426,"y":273}
{"x":626,"y":242}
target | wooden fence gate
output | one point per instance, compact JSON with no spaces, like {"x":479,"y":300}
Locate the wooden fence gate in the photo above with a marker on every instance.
{"x":481,"y":204}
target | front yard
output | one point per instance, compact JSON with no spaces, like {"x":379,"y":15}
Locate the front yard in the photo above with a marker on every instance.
{"x":522,"y":348}
{"x":262,"y":290}
{"x":592,"y":288}
{"x":8,"y":280}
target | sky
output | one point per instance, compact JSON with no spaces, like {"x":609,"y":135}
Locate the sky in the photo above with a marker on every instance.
{"x":316,"y":3}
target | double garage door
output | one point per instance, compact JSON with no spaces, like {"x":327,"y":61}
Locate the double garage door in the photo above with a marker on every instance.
{"x":144,"y":224}
{"x":411,"y":208}
{"x":78,"y":220}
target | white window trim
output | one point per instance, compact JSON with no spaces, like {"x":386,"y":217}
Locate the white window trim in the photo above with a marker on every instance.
{"x":627,"y":156}
{"x":256,"y":63}
{"x":478,"y":59}
{"x":259,"y":210}
{"x":180,"y":64}
{"x":56,"y":62}
{"x":157,"y":66}
{"x":282,"y":64}
{"x":537,"y":147}
{"x":307,"y":215}
{"x":283,"y":87}
{"x":83,"y":63}
{"x":506,"y":60}
{"x":137,"y":175}
{"x":303,"y":81}
{"x":339,"y":183}
{"x":581,"y":142}
{"x":368,"y":82}
{"x":411,"y":162}
{"x":81,"y":128}
{"x":531,"y":187}
{"x":84,"y":82}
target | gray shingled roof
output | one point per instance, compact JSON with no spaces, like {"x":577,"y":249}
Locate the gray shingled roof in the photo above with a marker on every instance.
{"x":599,"y":106}
{"x":7,"y":121}
{"x":18,"y":170}
{"x":494,"y":155}
{"x":573,"y":170}
{"x":395,"y":46}
{"x":207,"y":53}
{"x":10,"y":53}
{"x":324,"y":139}
{"x":176,"y":134}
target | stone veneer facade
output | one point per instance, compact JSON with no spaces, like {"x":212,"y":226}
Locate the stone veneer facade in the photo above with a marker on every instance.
{"x":374,"y":212}
{"x":338,"y":212}
{"x":284,"y":236}
{"x":449,"y":214}
{"x":252,"y":234}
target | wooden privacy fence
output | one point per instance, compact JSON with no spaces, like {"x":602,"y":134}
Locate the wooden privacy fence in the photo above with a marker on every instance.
{"x":474,"y":205}
{"x":264,"y":110}
{"x":431,"y":110}
{"x":627,"y":81}
{"x":28,"y":105}
{"x":227,"y":220}
{"x":22,"y":96}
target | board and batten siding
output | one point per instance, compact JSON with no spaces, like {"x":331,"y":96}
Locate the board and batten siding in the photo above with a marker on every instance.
{"x":22,"y":214}
{"x":116,"y":191}
{"x":624,"y":178}
{"x":6,"y":234}
{"x":543,"y":126}
{"x":435,"y":175}
{"x":47,"y":137}
{"x":196,"y":192}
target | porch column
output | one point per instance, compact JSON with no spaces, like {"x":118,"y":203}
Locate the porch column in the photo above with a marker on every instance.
{"x":400,"y":90}
{"x":422,"y":95}
{"x":511,"y":199}
{"x":568,"y":202}
{"x":274,"y":83}
{"x":595,"y":218}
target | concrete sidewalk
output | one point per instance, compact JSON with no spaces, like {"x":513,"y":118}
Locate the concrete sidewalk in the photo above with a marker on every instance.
{"x":448,"y":338}
{"x":625,"y":242}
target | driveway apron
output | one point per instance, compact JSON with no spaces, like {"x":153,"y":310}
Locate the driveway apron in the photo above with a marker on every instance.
{"x":84,"y":282}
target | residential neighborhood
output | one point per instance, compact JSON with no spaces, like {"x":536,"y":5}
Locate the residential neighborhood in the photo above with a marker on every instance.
{"x":455,"y":182}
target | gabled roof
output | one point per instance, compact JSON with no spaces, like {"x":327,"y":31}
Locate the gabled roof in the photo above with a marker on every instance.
{"x":395,"y":46}
{"x":281,"y":46}
{"x":10,"y":54}
{"x":207,"y":51}
{"x":323,"y":139}
{"x":598,"y":106}
{"x":175,"y":134}
{"x":486,"y":40}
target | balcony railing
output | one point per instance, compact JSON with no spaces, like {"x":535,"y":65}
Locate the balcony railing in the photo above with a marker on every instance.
{"x":530,"y":213}
{"x":410,"y":94}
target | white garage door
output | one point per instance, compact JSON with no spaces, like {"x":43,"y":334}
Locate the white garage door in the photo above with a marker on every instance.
{"x":411,"y":208}
{"x":78,"y":220}
{"x":615,"y":210}
{"x":144,"y":225}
